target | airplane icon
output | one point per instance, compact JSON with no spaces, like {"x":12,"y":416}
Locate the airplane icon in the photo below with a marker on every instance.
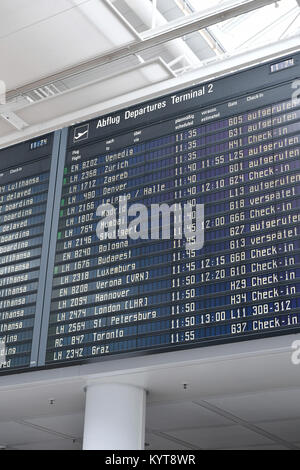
{"x":81,"y":133}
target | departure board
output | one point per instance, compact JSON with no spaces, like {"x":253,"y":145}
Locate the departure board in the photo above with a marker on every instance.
{"x":168,"y":225}
{"x":232,"y":146}
{"x":24,"y":185}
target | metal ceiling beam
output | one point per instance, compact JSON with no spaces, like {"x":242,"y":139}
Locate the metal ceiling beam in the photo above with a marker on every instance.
{"x":273,"y":25}
{"x":199,"y":20}
{"x":169,"y":32}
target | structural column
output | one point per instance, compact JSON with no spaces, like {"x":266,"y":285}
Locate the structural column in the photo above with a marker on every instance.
{"x":114,"y":417}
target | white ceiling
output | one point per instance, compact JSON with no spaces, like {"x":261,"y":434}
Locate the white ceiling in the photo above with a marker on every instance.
{"x":241,"y":396}
{"x":40,"y":37}
{"x":56,"y":57}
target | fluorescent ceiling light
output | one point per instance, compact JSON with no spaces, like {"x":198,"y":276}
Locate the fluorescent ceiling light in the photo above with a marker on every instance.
{"x":131,"y":80}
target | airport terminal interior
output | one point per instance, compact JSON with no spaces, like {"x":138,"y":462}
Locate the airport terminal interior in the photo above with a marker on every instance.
{"x":183,"y":342}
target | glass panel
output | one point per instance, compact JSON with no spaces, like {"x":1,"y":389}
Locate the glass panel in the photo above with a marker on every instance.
{"x":260,"y":27}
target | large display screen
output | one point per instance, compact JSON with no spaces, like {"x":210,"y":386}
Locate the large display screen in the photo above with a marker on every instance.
{"x":230,"y":146}
{"x":24,"y":186}
{"x":168,"y":225}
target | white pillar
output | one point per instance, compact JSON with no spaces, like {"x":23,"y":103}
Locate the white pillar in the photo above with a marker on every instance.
{"x":114,"y":417}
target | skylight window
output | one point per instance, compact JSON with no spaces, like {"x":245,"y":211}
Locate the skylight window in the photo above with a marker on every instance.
{"x":260,"y":27}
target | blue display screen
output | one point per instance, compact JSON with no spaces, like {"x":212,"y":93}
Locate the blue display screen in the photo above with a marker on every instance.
{"x":240,"y":159}
{"x":24,"y":186}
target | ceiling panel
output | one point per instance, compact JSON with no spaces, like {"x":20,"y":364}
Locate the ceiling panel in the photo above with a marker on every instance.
{"x":101,"y":72}
{"x":285,"y":429}
{"x":56,"y":444}
{"x":71,"y":425}
{"x":117,"y":85}
{"x":20,"y":14}
{"x":67,"y":38}
{"x":260,"y":448}
{"x":269,"y":405}
{"x":33,"y":402}
{"x":182,"y":415}
{"x":158,"y":442}
{"x":220,"y":437}
{"x":12,"y":433}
